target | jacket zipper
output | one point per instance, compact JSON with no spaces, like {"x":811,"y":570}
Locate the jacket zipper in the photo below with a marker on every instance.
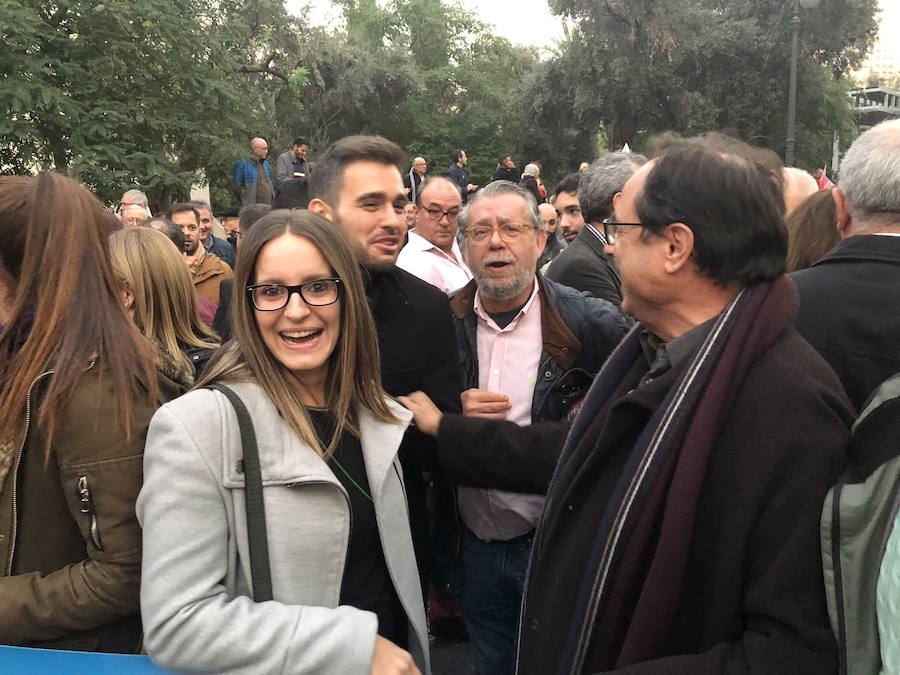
{"x":15,"y":475}
{"x":87,"y":506}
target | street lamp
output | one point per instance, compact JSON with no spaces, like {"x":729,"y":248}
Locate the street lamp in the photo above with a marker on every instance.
{"x":792,"y":92}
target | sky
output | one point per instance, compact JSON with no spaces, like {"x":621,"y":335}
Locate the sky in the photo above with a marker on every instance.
{"x":525,"y":22}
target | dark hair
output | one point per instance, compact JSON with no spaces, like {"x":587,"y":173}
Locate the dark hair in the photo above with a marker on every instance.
{"x":732,"y":202}
{"x":457,"y":155}
{"x":250,"y":214}
{"x":325,"y":181}
{"x":568,"y":184}
{"x":300,"y":141}
{"x":65,"y":310}
{"x":182,"y":207}
{"x":170,"y":229}
{"x":530,"y":184}
{"x":291,"y":195}
{"x":812,"y":230}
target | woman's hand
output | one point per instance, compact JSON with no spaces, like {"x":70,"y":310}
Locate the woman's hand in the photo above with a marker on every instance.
{"x":425,"y":413}
{"x":389,"y":659}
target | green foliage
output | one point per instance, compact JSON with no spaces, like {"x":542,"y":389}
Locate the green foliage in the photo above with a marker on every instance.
{"x":118,"y":97}
{"x":164,"y":94}
{"x":644,"y":66}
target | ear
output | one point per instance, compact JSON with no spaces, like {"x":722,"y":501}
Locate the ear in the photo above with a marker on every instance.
{"x":320,"y":208}
{"x":126,"y":295}
{"x":679,"y":241}
{"x":541,"y":240}
{"x":844,"y":220}
{"x":615,"y":201}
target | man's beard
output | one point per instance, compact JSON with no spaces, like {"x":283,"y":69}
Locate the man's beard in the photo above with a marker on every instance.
{"x":504,"y":289}
{"x":193,"y":251}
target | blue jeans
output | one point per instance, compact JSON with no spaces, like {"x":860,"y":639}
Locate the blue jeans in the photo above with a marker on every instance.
{"x":493,"y":578}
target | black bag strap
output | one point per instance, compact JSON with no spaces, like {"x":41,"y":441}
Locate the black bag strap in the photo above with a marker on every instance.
{"x":260,"y":573}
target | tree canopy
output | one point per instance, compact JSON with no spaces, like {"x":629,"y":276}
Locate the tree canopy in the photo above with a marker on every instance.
{"x":163,"y":94}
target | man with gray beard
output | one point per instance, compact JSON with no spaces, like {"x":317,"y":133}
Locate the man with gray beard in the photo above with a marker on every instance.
{"x":528,"y":345}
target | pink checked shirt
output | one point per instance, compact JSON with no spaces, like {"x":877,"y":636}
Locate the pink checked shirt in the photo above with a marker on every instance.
{"x":508,"y":363}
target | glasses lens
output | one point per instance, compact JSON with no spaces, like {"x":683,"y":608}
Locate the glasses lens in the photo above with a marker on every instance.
{"x":270,"y":297}
{"x":319,"y":292}
{"x":436,"y":214}
{"x":479,"y":234}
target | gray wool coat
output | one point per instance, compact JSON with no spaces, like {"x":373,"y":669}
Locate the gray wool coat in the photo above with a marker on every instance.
{"x":196,"y":599}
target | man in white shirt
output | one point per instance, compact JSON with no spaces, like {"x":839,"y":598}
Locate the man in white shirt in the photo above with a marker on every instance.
{"x":432,"y":253}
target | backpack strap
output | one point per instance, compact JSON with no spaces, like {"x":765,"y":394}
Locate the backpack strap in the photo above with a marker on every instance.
{"x":258,"y":541}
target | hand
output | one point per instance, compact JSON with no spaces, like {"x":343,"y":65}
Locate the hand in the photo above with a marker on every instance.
{"x":471,"y":187}
{"x":425,"y":413}
{"x":487,"y":404}
{"x":389,"y":659}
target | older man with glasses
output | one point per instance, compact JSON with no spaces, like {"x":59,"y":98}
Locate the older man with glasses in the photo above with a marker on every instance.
{"x":521,"y":339}
{"x":432,"y":252}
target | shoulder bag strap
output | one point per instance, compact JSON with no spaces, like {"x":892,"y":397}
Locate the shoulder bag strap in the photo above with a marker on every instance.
{"x":260,"y":573}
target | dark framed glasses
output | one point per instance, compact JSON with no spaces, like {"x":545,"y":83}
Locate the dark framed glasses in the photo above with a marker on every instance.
{"x":316,"y":293}
{"x":436,"y":214}
{"x":611,"y":229}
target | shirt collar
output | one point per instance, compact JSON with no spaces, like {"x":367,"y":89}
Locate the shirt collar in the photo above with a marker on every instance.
{"x":663,"y":356}
{"x":420,"y":243}
{"x":597,"y":233}
{"x":483,"y":314}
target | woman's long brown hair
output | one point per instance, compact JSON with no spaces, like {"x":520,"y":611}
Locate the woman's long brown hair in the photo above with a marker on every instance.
{"x":354,"y":374}
{"x":53,"y":244}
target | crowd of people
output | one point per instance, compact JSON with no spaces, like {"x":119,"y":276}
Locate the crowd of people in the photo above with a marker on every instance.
{"x":643,"y":422}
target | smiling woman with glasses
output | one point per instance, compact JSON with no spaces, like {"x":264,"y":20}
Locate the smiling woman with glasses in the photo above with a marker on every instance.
{"x":304,"y":363}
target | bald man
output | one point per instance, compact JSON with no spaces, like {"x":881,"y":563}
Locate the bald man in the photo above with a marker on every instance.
{"x":798,"y":185}
{"x":413,"y":179}
{"x":252,"y":177}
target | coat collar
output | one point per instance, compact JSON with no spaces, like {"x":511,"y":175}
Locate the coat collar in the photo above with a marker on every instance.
{"x":871,"y":247}
{"x":285,"y":460}
{"x":559,"y":342}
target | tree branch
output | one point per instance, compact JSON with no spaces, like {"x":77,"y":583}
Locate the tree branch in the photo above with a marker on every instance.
{"x":615,"y":15}
{"x":264,"y":67}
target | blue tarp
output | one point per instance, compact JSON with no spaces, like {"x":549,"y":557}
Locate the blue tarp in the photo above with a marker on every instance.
{"x":14,"y":660}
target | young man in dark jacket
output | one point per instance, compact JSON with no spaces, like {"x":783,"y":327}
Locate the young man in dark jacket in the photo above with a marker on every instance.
{"x":357,"y":185}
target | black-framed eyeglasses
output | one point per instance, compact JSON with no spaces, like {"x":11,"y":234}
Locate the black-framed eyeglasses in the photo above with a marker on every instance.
{"x":436,"y":214}
{"x":316,"y":293}
{"x":611,"y":229}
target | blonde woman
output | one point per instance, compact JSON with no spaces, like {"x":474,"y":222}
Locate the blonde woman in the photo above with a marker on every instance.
{"x":158,"y":293}
{"x":304,"y":362}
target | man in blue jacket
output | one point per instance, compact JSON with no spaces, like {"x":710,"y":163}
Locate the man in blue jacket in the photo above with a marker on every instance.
{"x":251,"y":179}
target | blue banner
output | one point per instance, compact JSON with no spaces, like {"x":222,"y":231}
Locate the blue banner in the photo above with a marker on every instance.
{"x":14,"y":660}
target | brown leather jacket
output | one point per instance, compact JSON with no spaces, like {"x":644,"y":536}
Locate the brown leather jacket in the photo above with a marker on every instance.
{"x":70,"y":544}
{"x":209,"y":276}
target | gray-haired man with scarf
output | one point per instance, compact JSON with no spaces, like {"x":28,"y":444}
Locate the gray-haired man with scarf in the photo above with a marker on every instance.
{"x":681,"y":527}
